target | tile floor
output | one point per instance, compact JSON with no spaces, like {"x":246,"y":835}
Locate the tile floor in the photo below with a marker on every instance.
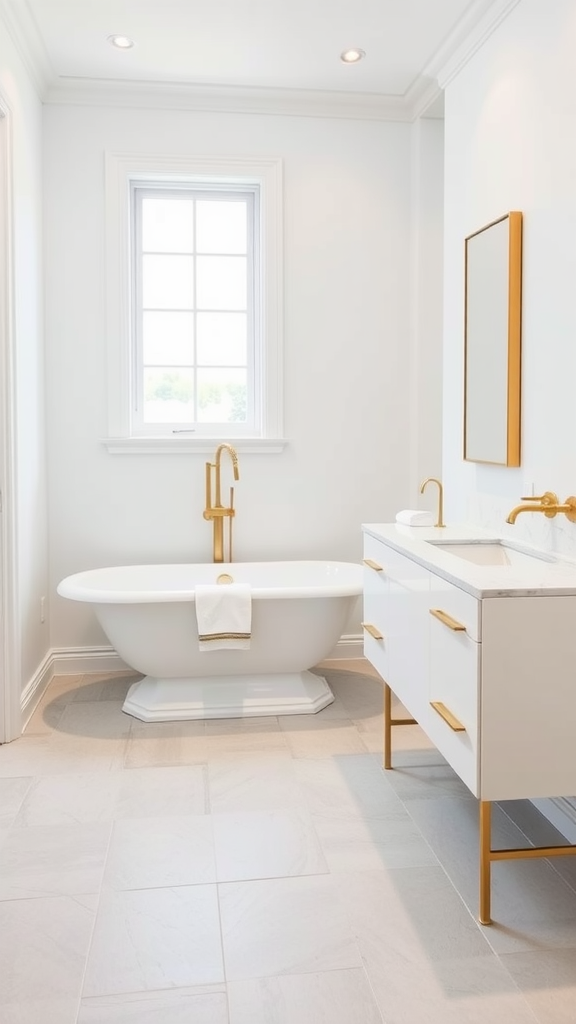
{"x":264,"y":871}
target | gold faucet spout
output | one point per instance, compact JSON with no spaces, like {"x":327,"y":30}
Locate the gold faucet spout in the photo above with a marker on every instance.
{"x":217,"y":512}
{"x":435,"y":480}
{"x":217,"y":459}
{"x":547,"y":503}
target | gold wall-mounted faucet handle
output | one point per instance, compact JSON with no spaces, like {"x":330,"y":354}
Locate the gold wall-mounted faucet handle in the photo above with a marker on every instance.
{"x":548,"y":498}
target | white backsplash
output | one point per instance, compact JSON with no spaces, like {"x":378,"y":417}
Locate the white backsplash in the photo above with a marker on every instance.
{"x":556,"y":535}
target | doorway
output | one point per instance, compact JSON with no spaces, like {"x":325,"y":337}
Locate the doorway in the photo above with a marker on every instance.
{"x":10,"y":717}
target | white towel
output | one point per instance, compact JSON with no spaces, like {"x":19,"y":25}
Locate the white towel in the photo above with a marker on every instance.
{"x":224,"y":615}
{"x":415,"y":517}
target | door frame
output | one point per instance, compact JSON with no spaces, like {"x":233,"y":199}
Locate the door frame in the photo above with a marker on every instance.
{"x":10,"y":712}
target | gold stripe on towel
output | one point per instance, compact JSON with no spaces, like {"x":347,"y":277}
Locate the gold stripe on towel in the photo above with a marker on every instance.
{"x":224,"y":636}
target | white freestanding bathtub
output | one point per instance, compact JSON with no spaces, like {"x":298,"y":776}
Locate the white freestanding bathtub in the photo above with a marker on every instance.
{"x":299,"y":611}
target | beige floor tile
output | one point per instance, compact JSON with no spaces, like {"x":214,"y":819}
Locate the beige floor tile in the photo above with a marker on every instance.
{"x":12,"y":796}
{"x":169,"y":790}
{"x":69,"y":799}
{"x":547,"y":979}
{"x":63,"y":687}
{"x":229,"y":737}
{"x":360,"y":696}
{"x":414,"y":913}
{"x":155,"y":939}
{"x":106,"y":796}
{"x":49,"y":1011}
{"x":201,"y":1005}
{"x":532,"y":907}
{"x":45,"y":718}
{"x":56,"y":860}
{"x":43,"y":949}
{"x":308,"y":737}
{"x":266,"y":844}
{"x":334,"y":997}
{"x":149,"y":853}
{"x":462,"y":991}
{"x":284,"y":926}
{"x":94,"y":720}
{"x":421,"y":772}
{"x":363,"y":844}
{"x":345,"y":786}
{"x":253,"y":784}
{"x":165,"y":744}
{"x":107,"y":686}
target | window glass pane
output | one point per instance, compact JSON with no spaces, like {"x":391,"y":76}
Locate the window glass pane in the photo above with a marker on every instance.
{"x":167,"y":225}
{"x":221,"y":226}
{"x":221,"y":396}
{"x":168,"y":338}
{"x":167,"y":282}
{"x":221,"y":339}
{"x":168,"y":395}
{"x":221,"y":282}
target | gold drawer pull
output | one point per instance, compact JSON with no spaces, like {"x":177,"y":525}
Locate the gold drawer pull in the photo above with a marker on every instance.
{"x":372,"y":630}
{"x":447,"y":715}
{"x":448,"y":620}
{"x":373,"y":565}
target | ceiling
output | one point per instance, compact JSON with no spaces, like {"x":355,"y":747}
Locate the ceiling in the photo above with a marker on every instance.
{"x":245,"y":44}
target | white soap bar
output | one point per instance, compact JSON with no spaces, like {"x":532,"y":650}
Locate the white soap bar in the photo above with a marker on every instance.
{"x":415,"y":517}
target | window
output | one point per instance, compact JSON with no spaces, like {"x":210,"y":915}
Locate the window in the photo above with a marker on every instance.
{"x":194,"y":310}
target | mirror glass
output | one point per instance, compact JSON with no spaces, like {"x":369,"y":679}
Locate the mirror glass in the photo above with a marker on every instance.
{"x":493,"y":313}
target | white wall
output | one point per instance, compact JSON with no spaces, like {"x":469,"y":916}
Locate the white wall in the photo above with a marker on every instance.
{"x":510,"y":128}
{"x":426,"y":307}
{"x":346,"y":361}
{"x":18,"y":96}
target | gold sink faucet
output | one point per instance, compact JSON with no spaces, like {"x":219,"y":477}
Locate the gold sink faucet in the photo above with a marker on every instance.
{"x":548,"y":504}
{"x":434,"y":480}
{"x":217,"y":512}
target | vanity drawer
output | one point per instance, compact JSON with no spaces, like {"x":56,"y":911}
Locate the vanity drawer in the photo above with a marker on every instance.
{"x":376,"y":611}
{"x":454,"y":699}
{"x":375,"y":562}
{"x":455,"y":608}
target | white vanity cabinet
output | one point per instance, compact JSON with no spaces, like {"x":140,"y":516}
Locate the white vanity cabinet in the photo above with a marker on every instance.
{"x":490,"y":679}
{"x":482,"y":653}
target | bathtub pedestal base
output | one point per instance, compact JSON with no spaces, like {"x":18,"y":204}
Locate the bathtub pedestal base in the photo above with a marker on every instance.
{"x":172,"y":700}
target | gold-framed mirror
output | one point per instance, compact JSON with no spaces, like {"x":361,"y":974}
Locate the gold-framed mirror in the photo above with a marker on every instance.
{"x":492,"y":342}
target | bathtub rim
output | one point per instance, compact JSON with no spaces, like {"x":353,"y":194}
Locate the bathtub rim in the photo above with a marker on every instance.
{"x":77,"y":586}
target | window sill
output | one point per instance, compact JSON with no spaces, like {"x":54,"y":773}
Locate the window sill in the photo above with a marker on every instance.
{"x":188,"y":445}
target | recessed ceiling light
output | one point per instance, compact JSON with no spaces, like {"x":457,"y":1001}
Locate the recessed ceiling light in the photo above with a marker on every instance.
{"x":121,"y":42}
{"x":352,"y":56}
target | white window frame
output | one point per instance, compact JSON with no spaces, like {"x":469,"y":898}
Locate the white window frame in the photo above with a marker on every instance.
{"x":121,"y":172}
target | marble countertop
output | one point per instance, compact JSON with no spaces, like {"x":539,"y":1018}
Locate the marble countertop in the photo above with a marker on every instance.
{"x":543,"y":574}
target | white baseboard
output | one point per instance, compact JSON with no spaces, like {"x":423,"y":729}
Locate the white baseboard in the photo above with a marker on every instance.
{"x":32,"y":692}
{"x":347,"y":647}
{"x":67,"y":661}
{"x":561,"y":812}
{"x":71,"y":661}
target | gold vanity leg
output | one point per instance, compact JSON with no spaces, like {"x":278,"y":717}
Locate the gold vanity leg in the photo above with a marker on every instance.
{"x":387,"y":726}
{"x":485,"y":861}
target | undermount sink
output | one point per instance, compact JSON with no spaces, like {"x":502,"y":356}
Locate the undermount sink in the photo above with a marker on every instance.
{"x":494,"y":552}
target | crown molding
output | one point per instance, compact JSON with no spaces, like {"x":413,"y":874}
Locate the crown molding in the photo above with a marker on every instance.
{"x":465,"y":38}
{"x":497,"y":12}
{"x":226,"y":99}
{"x":23,"y":31}
{"x":477,"y":24}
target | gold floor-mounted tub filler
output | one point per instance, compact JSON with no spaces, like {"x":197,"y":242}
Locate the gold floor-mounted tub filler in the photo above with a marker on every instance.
{"x":217,"y":512}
